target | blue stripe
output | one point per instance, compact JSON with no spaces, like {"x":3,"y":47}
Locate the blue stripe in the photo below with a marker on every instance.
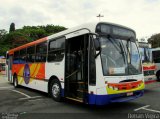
{"x":62,"y":92}
{"x":106,"y":99}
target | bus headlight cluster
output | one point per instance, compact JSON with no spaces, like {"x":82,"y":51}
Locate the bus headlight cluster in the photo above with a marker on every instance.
{"x":113,"y":88}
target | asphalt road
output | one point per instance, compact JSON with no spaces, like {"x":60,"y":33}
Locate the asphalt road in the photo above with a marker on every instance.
{"x":26,"y":103}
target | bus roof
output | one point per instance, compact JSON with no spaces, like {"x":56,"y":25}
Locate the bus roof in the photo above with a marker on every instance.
{"x":89,"y":26}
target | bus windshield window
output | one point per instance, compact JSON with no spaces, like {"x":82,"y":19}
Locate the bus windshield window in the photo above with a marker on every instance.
{"x":117,"y":59}
{"x":145,"y":54}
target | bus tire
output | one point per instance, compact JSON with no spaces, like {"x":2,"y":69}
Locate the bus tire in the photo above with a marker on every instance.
{"x":55,"y":90}
{"x":15,"y":81}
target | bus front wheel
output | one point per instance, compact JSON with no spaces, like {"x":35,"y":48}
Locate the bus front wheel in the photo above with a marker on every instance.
{"x":55,"y":90}
{"x":15,"y":81}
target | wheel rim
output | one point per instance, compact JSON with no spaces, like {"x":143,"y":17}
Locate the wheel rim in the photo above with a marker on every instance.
{"x":55,"y":90}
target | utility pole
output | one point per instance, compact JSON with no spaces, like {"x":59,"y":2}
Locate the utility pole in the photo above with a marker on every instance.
{"x":100,"y":16}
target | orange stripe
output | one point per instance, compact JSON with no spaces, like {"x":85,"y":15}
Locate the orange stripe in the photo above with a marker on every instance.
{"x":41,"y":72}
{"x":27,"y":45}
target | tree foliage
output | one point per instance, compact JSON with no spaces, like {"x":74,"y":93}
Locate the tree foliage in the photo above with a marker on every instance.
{"x":155,"y":40}
{"x":12,"y":27}
{"x":3,"y":32}
{"x":27,"y":34}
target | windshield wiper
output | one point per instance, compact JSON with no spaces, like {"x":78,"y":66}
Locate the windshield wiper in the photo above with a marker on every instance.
{"x":117,"y":44}
{"x":128,"y":51}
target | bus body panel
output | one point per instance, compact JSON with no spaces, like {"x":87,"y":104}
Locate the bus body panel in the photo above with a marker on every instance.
{"x":31,"y":75}
{"x":40,"y":85}
{"x":56,"y":69}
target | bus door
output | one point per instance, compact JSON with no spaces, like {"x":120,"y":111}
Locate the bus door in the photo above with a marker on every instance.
{"x":76,"y":68}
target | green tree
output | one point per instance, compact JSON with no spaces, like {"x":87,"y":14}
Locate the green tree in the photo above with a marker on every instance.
{"x":3,"y":32}
{"x":15,"y":39}
{"x":25,"y":35}
{"x":12,"y":27}
{"x":155,"y":40}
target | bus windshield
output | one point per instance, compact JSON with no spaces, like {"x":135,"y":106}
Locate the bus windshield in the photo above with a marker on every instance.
{"x":144,"y":54}
{"x":119,"y":57}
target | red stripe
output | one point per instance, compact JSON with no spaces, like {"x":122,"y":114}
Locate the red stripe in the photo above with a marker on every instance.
{"x":152,"y":81}
{"x":149,"y":67}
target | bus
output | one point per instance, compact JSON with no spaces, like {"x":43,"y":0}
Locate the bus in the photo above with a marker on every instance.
{"x":148,"y":66}
{"x":155,"y":57}
{"x":95,"y":63}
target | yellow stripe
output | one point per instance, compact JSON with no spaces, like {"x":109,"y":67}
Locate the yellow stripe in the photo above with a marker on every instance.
{"x":34,"y":70}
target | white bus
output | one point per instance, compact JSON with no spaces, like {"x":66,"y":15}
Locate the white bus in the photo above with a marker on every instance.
{"x":148,"y":66}
{"x":96,"y":63}
{"x":155,"y":57}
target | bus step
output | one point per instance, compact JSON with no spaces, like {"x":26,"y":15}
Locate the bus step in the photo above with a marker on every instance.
{"x":76,"y":99}
{"x":79,"y":82}
{"x":82,"y":91}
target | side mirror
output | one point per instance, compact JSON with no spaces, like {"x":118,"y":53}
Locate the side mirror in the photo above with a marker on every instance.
{"x":97,"y":44}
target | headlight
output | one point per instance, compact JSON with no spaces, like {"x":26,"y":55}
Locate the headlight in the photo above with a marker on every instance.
{"x":115,"y":88}
{"x":111,"y":87}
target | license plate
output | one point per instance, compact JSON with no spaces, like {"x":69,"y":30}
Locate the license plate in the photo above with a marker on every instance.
{"x":130,"y":93}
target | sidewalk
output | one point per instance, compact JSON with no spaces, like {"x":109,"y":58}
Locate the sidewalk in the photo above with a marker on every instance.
{"x":3,"y":79}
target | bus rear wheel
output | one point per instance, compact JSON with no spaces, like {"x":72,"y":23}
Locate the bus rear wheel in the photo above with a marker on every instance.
{"x":55,"y":90}
{"x":15,"y":81}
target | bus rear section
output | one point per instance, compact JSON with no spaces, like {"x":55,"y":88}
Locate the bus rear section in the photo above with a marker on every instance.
{"x":93,"y":64}
{"x":149,"y":67}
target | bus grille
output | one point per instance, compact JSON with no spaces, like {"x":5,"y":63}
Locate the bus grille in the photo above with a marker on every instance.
{"x":148,"y":73}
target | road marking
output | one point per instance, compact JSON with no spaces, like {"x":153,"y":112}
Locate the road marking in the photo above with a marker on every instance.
{"x":35,"y":99}
{"x":7,"y":87}
{"x":141,"y":108}
{"x":152,"y":110}
{"x":3,"y":82}
{"x":22,"y":93}
{"x":29,"y":97}
{"x":145,"y":108}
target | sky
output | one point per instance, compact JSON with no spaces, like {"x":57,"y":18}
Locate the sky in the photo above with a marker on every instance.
{"x":141,"y":15}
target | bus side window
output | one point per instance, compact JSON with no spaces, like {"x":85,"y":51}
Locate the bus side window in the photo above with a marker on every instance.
{"x":16,"y":57}
{"x":22,"y":58}
{"x":56,"y":50}
{"x":31,"y":54}
{"x":41,"y":52}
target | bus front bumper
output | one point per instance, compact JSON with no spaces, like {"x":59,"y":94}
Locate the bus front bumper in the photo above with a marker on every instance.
{"x":113,"y":98}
